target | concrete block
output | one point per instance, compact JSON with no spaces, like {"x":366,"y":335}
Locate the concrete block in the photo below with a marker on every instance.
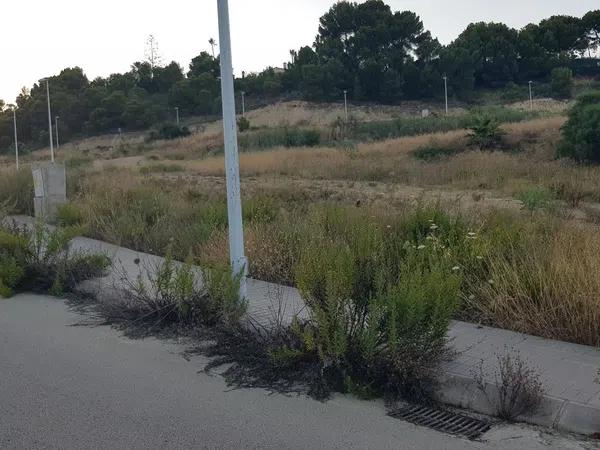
{"x":50,"y":189}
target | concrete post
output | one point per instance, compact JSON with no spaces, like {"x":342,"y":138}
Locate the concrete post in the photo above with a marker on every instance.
{"x":16,"y":137}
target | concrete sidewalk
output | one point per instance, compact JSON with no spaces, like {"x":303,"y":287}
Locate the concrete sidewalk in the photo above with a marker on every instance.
{"x":572,"y":399}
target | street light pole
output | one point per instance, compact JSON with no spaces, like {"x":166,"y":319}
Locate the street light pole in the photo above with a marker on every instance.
{"x":177,"y":114}
{"x":56,"y":129}
{"x":49,"y":120}
{"x":239,"y":263}
{"x":446,"y":92}
{"x":243,"y":104}
{"x":531,"y":95}
{"x":16,"y":138}
{"x":346,"y":104}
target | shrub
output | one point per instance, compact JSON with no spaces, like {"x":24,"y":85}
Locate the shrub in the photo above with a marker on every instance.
{"x":168,"y":131}
{"x":535,"y":198}
{"x":243,"y":124}
{"x":485,"y":133}
{"x":223,"y":290}
{"x":40,"y":260}
{"x":562,"y":82}
{"x":581,"y":133}
{"x":171,"y":294}
{"x":280,"y":137}
{"x":379,"y":315}
{"x":434,"y":152}
{"x":518,"y":387}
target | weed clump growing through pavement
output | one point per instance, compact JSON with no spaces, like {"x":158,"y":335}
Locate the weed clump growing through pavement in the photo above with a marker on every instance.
{"x":516,"y":390}
{"x":170,"y":294}
{"x":39,"y":260}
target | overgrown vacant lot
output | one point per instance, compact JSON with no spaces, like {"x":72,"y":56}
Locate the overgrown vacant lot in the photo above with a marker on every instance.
{"x":516,"y":226}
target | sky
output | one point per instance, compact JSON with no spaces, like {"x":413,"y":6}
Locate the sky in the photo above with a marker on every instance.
{"x":41,"y":38}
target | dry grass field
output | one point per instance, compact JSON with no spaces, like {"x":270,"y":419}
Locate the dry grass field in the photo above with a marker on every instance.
{"x":536,"y":219}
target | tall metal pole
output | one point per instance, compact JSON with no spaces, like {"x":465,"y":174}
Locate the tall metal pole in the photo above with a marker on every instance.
{"x":446,"y":92}
{"x":346,"y":104}
{"x":49,"y":120}
{"x":243,"y":104}
{"x":177,"y":114}
{"x":16,"y":138}
{"x":56,"y":129}
{"x":239,"y":263}
{"x":531,"y":95}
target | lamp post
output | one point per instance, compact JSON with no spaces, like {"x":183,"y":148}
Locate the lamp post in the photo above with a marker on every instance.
{"x":446,"y":92}
{"x":177,"y":114}
{"x":239,"y":263}
{"x":243,"y":104}
{"x":16,"y":138}
{"x":56,"y":130}
{"x":346,"y":104}
{"x":531,"y":95}
{"x":49,"y":119}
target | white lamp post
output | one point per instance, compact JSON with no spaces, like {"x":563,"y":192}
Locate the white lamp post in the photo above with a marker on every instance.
{"x":243,"y":104}
{"x":56,"y":130}
{"x":346,"y":104}
{"x":446,"y":92}
{"x":16,"y":138}
{"x":239,"y":263}
{"x":177,"y":114}
{"x":49,"y":119}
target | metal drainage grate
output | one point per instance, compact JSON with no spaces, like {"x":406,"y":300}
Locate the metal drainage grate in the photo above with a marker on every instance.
{"x":440,"y":420}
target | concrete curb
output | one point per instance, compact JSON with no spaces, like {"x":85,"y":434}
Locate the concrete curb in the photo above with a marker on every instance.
{"x":563,"y":415}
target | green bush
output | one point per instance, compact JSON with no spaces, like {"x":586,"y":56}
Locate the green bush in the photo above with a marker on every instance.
{"x":535,"y":198}
{"x":411,"y":126}
{"x":434,"y":152}
{"x":485,"y":133}
{"x":562,"y":82}
{"x":280,"y":137}
{"x":223,"y":290}
{"x":380,"y":301}
{"x":168,"y":131}
{"x":39,"y":260}
{"x":581,"y":133}
{"x":243,"y":124}
{"x":170,"y":293}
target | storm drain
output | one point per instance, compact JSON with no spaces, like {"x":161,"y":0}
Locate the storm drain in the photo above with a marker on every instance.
{"x":441,"y":420}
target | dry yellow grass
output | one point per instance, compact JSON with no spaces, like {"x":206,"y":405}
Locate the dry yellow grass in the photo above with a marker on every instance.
{"x":392,"y":161}
{"x":207,"y":137}
{"x":301,"y":113}
{"x":544,"y":104}
{"x":551,"y":289}
{"x":328,"y":162}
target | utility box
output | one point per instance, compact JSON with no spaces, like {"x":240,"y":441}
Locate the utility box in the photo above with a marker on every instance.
{"x":50,"y":186}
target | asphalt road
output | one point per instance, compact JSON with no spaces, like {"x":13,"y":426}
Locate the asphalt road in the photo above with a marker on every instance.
{"x":78,"y":387}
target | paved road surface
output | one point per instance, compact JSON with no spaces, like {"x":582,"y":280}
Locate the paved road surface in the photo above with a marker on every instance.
{"x":79,"y":387}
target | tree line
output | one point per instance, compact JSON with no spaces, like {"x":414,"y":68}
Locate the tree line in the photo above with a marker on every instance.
{"x":366,"y":49}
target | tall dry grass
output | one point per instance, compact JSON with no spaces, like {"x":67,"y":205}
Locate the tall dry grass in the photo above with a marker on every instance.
{"x":550,"y":288}
{"x":532,"y":163}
